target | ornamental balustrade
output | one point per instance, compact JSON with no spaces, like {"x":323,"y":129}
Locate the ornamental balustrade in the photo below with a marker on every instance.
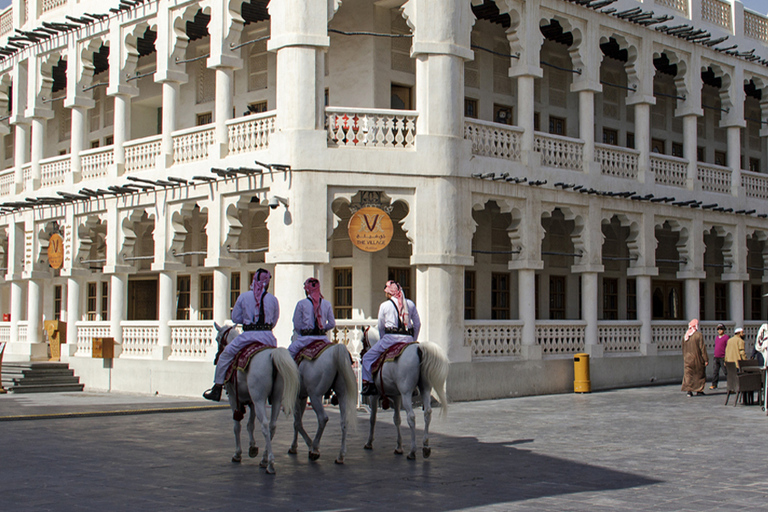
{"x":756,"y":26}
{"x":5,"y":332}
{"x":6,"y":183}
{"x":350,"y":333}
{"x":560,"y":337}
{"x":709,"y":331}
{"x":95,"y":163}
{"x":619,"y":337}
{"x":192,"y":144}
{"x":493,"y":338}
{"x":86,"y":331}
{"x":53,"y":171}
{"x":716,"y":12}
{"x":493,"y":139}
{"x":668,"y":335}
{"x":6,"y":21}
{"x":23,"y":329}
{"x":139,"y":338}
{"x":250,"y":133}
{"x":192,"y":340}
{"x":751,"y":329}
{"x":754,"y":184}
{"x":617,"y":161}
{"x":142,"y":154}
{"x":669,"y":170}
{"x":714,"y":178}
{"x":370,"y":128}
{"x":678,"y":5}
{"x":559,"y":152}
{"x":49,"y":5}
{"x":26,"y":173}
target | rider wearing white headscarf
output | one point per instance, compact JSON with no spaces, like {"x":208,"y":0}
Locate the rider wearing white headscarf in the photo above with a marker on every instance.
{"x":761,"y":343}
{"x":398,"y":323}
{"x":312,"y":318}
{"x":257,"y":310}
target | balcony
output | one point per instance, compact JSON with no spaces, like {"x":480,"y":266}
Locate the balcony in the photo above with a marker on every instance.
{"x":559,"y":152}
{"x":669,"y":170}
{"x":370,"y":128}
{"x":617,"y":161}
{"x":493,"y":139}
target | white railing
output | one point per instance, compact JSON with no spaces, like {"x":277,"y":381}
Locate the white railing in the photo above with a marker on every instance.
{"x":350,"y":333}
{"x":714,"y":178}
{"x":493,"y":139}
{"x":756,"y":26}
{"x":250,"y":133}
{"x":5,"y":332}
{"x":6,"y":183}
{"x":668,"y":335}
{"x":717,"y":12}
{"x":23,"y":329}
{"x":560,"y":152}
{"x":53,"y":171}
{"x":751,"y":327}
{"x":678,"y":5}
{"x":6,"y":21}
{"x":493,"y":338}
{"x":191,"y":340}
{"x":96,"y":162}
{"x":192,"y":144}
{"x":86,"y":331}
{"x":26,"y":172}
{"x":669,"y":170}
{"x":709,"y":331}
{"x":619,"y":337}
{"x":370,"y":128}
{"x":139,"y":338}
{"x":49,"y":5}
{"x":558,"y":337}
{"x":142,"y":154}
{"x":754,"y":184}
{"x":617,"y":161}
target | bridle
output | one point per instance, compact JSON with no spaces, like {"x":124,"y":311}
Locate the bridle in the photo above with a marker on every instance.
{"x":222,"y":341}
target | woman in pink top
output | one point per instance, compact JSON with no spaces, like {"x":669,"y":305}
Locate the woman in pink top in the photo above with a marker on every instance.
{"x":720,"y":342}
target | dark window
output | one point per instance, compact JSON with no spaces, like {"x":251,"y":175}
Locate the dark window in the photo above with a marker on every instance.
{"x":610,"y":298}
{"x":754,"y":164}
{"x":700,"y":154}
{"x":234,"y":290}
{"x":469,"y":295}
{"x":258,"y":107}
{"x":702,"y":300}
{"x":342,"y":293}
{"x":182,"y":297}
{"x":657,"y":146}
{"x":502,"y":114}
{"x":57,"y":302}
{"x":610,"y":136}
{"x":721,"y":158}
{"x":206,"y":297}
{"x":400,"y":97}
{"x":557,"y":125}
{"x":556,"y":297}
{"x":499,"y":296}
{"x":631,"y":299}
{"x":402,"y":275}
{"x":90,"y":302}
{"x":757,"y":302}
{"x":470,"y":108}
{"x":205,"y":118}
{"x":536,"y":121}
{"x":677,"y":149}
{"x":721,"y":301}
{"x":631,"y":140}
{"x":104,"y":301}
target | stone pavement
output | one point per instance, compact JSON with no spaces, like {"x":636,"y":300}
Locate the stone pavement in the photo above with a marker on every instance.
{"x":625,"y":450}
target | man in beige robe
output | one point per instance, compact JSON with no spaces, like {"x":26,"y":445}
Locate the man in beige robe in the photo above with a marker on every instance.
{"x":695,"y":360}
{"x":734,"y":350}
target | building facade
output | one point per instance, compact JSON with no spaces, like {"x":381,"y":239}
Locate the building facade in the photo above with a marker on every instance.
{"x":562,"y":177}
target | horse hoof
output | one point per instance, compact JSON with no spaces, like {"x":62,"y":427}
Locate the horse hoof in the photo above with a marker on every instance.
{"x":411,"y":456}
{"x":398,"y":451}
{"x":253,"y":451}
{"x":314,"y":456}
{"x":264,"y":464}
{"x":340,"y":460}
{"x":427,"y":451}
{"x":236,"y":459}
{"x":292,"y":451}
{"x":368,"y":446}
{"x":271,"y":469}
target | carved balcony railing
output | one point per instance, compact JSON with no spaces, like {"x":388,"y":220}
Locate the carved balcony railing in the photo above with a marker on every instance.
{"x":250,"y":133}
{"x":716,"y":12}
{"x":678,"y":5}
{"x":669,"y":170}
{"x":49,"y":5}
{"x":86,"y":331}
{"x":54,"y":171}
{"x":560,"y":152}
{"x":668,"y":335}
{"x":139,"y":339}
{"x":714,"y":178}
{"x":95,"y":163}
{"x":370,"y":128}
{"x":350,"y":333}
{"x":192,"y":340}
{"x":619,"y":337}
{"x":7,"y":180}
{"x":6,"y":21}
{"x":493,"y":139}
{"x":755,"y":185}
{"x":493,"y":338}
{"x":617,"y":161}
{"x":756,"y":26}
{"x":192,"y":144}
{"x":560,"y":337}
{"x":142,"y":154}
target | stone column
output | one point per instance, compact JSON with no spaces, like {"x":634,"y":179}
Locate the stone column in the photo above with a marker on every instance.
{"x":37,"y":152}
{"x":34,"y":315}
{"x":526,"y":293}
{"x":734,"y":158}
{"x":589,"y":298}
{"x":20,"y":149}
{"x":122,"y":129}
{"x":170,"y":101}
{"x":643,"y":142}
{"x":118,"y":305}
{"x":736,"y":301}
{"x":692,"y":302}
{"x":587,"y":125}
{"x":690,"y":148}
{"x":73,"y":315}
{"x":165,"y":301}
{"x":221,"y":294}
{"x":223,"y":108}
{"x":77,"y":143}
{"x":645,"y":314}
{"x":17,"y":308}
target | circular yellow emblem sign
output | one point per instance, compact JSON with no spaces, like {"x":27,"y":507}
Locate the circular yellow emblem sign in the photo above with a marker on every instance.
{"x":370,"y":229}
{"x":55,"y":251}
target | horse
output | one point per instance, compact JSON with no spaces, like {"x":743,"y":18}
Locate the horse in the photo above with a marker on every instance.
{"x":271,"y":374}
{"x":422,"y":366}
{"x":331,"y":370}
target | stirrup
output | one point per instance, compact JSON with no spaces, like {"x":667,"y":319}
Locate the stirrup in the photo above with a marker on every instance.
{"x":214,"y":393}
{"x":369,"y":389}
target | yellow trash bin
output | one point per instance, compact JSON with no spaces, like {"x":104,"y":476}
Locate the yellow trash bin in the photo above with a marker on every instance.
{"x":581,"y":383}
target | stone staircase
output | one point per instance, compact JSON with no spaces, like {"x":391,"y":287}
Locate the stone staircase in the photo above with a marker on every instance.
{"x":39,"y":377}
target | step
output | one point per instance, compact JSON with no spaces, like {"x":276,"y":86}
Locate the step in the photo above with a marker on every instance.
{"x":51,"y":388}
{"x":65,"y":379}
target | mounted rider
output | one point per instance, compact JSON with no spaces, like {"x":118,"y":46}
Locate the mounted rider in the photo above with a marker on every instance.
{"x":257,"y":310}
{"x":398,"y":323}
{"x":312,"y":318}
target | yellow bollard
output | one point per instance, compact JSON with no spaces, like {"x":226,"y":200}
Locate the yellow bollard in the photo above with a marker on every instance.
{"x":581,"y":383}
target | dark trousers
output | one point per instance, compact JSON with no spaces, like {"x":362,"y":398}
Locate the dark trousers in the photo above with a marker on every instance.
{"x":719,"y":363}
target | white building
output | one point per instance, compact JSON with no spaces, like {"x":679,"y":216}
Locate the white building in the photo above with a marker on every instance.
{"x":563,"y":177}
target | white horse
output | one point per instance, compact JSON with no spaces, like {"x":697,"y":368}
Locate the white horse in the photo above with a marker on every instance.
{"x":272,"y":375}
{"x":332,"y":370}
{"x":422,"y":366}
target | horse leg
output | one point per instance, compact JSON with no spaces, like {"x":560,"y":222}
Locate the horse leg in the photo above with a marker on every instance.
{"x":322,"y":420}
{"x":253,"y":450}
{"x":399,"y":446}
{"x":238,"y":456}
{"x":410,"y":417}
{"x":374,"y":405}
{"x":426,"y":396}
{"x":268,"y":457}
{"x":277,"y":400}
{"x":298,"y":426}
{"x":341,"y":393}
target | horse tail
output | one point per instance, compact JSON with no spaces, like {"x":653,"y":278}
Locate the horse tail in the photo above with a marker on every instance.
{"x":283,"y":363}
{"x":344,"y":364}
{"x":434,"y":368}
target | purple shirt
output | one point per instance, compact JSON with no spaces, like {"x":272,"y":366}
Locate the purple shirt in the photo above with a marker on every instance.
{"x":720,"y":343}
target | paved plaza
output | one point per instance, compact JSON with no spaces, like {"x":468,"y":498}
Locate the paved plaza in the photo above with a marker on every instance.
{"x":632,"y":449}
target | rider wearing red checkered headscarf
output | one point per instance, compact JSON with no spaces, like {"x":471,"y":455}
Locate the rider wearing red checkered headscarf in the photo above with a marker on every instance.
{"x":312,"y":318}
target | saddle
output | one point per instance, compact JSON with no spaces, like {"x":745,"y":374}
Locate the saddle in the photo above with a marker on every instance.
{"x":243,"y":358}
{"x":311,"y":351}
{"x":391,"y":354}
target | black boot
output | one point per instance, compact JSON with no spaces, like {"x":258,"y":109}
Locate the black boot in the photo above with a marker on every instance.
{"x":214,"y":393}
{"x":369,"y":388}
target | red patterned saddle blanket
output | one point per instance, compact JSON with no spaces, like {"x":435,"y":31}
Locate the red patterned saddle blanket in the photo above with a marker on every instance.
{"x":390,"y":354}
{"x":243,"y":358}
{"x":311,"y":351}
